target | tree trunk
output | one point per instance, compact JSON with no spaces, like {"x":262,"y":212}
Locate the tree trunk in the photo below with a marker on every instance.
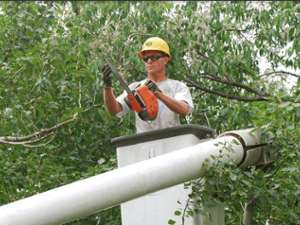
{"x":249,"y":211}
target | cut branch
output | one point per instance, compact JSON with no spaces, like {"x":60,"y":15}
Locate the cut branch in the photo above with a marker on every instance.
{"x":37,"y":136}
{"x":40,"y":145}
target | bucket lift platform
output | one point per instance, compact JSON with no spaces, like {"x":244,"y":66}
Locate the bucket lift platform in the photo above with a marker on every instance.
{"x":159,"y":207}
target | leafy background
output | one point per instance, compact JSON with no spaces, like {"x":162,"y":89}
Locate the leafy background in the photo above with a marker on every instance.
{"x":49,"y":78}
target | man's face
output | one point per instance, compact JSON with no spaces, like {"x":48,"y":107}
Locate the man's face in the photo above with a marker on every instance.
{"x":155,"y":61}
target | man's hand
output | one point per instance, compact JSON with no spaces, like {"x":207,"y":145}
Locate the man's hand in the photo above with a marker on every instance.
{"x":107,"y":77}
{"x":152,"y":86}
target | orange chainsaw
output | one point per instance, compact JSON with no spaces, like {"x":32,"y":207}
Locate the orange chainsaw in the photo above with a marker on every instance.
{"x":141,"y":100}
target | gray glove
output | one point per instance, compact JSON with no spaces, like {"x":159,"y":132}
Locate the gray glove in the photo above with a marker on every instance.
{"x":107,"y":75}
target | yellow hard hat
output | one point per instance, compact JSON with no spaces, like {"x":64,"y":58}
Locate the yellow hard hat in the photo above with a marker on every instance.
{"x":155,"y":43}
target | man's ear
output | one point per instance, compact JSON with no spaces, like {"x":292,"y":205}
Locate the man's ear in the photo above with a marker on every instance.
{"x":167,"y":59}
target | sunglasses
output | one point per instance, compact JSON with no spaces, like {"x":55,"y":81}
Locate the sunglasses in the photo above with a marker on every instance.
{"x":152,"y":57}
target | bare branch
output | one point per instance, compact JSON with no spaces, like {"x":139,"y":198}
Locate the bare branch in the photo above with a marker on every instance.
{"x":40,"y":145}
{"x":239,"y":98}
{"x":233,"y":83}
{"x":184,"y":211}
{"x":79,"y":94}
{"x":26,"y":143}
{"x":37,"y":136}
{"x":131,"y":35}
{"x":236,"y":29}
{"x":280,"y":72}
{"x":29,"y":140}
{"x":207,"y":120}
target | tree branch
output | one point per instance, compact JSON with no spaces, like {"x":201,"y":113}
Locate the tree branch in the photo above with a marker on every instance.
{"x":37,"y":136}
{"x":30,"y":141}
{"x":184,"y":211}
{"x":239,"y":98}
{"x":207,"y":58}
{"x":235,"y":29}
{"x":40,"y":145}
{"x":233,"y":83}
{"x":280,"y":72}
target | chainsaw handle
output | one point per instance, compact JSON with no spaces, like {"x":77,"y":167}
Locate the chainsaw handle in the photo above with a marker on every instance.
{"x":134,"y":103}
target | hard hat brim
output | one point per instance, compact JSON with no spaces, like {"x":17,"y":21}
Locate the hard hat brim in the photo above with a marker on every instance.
{"x":141,"y":53}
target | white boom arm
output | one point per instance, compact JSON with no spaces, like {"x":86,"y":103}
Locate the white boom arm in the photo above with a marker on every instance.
{"x":91,"y":195}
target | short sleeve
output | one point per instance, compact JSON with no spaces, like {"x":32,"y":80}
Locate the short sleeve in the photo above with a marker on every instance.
{"x":125,"y":107}
{"x":182,"y":93}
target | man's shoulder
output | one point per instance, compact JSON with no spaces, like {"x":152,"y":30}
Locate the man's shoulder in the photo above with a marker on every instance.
{"x":174,"y":82}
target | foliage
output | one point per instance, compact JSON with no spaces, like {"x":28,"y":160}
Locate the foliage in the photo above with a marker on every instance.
{"x":50,"y":55}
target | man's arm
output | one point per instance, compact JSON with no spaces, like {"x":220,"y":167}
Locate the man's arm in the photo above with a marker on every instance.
{"x":109,"y":98}
{"x":180,"y":107}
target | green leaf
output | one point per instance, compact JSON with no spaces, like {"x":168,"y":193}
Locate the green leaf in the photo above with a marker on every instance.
{"x":177,"y":213}
{"x":171,"y":222}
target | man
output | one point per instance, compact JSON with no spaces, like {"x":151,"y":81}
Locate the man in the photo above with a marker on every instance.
{"x":174,"y":98}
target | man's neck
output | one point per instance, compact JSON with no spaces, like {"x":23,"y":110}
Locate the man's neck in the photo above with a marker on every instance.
{"x":157,"y":77}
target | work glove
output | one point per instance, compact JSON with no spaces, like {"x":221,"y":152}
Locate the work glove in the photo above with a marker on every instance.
{"x":152,"y":86}
{"x":107,"y":75}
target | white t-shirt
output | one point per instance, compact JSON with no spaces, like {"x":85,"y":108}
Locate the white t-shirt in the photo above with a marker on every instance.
{"x":165,"y":117}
